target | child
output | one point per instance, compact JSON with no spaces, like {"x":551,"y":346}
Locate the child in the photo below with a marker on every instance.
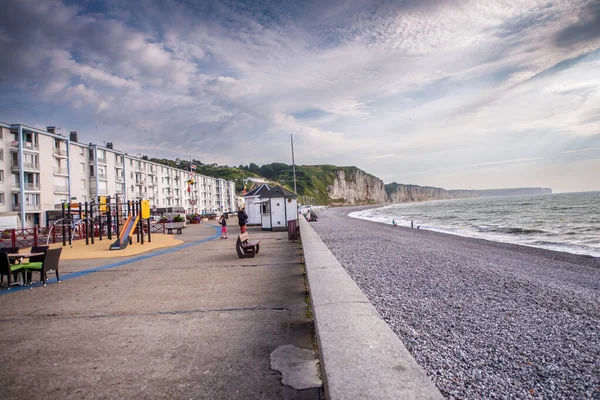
{"x":223,"y":223}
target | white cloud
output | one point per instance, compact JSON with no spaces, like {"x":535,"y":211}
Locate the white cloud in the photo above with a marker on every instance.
{"x":419,"y":88}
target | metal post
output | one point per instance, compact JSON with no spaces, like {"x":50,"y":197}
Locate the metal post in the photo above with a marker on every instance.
{"x":129,"y":212}
{"x":117,"y":206}
{"x":70,"y":219}
{"x":91,"y":219}
{"x":109,"y":218}
{"x":87,"y":240}
{"x":99,"y":222}
{"x":293,"y":162}
{"x":21,"y":161}
{"x":149,"y":232}
{"x":64,"y":239}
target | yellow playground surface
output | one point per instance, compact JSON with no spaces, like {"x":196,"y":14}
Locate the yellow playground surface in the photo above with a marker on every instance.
{"x":100,"y":249}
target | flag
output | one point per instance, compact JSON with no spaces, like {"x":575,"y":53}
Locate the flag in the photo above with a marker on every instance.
{"x":193,"y":167}
{"x":189,"y":189}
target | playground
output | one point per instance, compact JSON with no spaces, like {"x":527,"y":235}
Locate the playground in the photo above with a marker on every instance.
{"x":100,"y":249}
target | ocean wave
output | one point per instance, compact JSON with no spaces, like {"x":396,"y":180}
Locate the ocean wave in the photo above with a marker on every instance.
{"x":511,"y":230}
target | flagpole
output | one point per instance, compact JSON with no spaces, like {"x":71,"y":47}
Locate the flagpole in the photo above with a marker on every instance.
{"x":293,"y":163}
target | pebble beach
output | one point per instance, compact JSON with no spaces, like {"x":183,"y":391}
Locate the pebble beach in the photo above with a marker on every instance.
{"x":484,"y":319}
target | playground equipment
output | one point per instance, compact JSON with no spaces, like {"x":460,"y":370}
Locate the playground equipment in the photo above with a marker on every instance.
{"x":75,"y":228}
{"x":92,"y":220}
{"x":123,"y":239}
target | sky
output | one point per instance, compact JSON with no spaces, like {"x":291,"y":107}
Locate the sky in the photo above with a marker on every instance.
{"x":457,"y":94}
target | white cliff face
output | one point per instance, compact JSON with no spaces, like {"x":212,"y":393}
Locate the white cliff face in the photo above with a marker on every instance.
{"x":357,"y":188}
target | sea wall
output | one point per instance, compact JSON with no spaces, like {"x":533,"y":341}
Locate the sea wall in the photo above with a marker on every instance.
{"x":361,"y":357}
{"x":356,"y":187}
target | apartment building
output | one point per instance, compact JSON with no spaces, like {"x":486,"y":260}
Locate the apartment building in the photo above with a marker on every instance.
{"x":41,"y":169}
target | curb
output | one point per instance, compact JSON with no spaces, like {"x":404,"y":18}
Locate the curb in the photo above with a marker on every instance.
{"x":361,"y":357}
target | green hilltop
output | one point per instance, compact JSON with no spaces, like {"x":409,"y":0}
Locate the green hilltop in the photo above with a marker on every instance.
{"x":311,"y":180}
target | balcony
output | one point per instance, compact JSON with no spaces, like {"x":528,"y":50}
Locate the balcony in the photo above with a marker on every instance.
{"x":28,"y":207}
{"x":119,"y":192}
{"x":61,"y":189}
{"x":101,"y":160}
{"x":119,"y":179}
{"x":27,"y":146}
{"x":103,"y":176}
{"x":61,"y":171}
{"x":60,"y":153}
{"x":140,"y":183}
{"x":29,"y":187}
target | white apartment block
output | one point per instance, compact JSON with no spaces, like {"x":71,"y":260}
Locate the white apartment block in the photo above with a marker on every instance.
{"x":40,"y":170}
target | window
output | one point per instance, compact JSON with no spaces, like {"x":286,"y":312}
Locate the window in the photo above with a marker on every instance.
{"x":1,"y":197}
{"x":81,"y":152}
{"x":82,"y":168}
{"x":131,"y":163}
{"x":1,"y":175}
{"x":83,"y":183}
{"x":1,"y":154}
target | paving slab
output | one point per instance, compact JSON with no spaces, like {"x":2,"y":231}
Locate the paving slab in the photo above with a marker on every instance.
{"x":196,"y":322}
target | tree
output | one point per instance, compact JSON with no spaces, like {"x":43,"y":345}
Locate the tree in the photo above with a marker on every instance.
{"x":254,"y":168}
{"x":267,"y":171}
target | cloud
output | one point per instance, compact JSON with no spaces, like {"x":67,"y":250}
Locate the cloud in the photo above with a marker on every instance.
{"x":396,"y":87}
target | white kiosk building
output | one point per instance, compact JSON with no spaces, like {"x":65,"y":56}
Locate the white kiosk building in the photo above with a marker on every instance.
{"x":253,"y":204}
{"x":278,"y":206}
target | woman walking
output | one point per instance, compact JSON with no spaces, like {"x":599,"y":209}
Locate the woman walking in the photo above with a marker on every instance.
{"x":242,"y":219}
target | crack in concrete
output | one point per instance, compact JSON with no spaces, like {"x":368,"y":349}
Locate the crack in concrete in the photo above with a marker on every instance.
{"x":156,"y":313}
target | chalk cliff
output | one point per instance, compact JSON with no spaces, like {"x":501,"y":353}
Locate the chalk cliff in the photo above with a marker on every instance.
{"x":400,"y":193}
{"x":354,"y":186}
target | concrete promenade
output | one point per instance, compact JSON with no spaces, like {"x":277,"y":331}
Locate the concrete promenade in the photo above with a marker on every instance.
{"x":189,"y":322}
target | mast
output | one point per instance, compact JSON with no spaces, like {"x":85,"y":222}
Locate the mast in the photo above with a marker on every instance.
{"x":293,"y":163}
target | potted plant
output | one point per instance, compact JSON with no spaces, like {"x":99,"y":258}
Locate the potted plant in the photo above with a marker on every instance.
{"x":177,"y":222}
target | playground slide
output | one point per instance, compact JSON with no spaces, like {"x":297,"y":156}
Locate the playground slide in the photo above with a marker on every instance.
{"x":126,"y":231}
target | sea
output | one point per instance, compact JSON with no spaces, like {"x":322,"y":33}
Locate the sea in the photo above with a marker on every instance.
{"x":567,"y":222}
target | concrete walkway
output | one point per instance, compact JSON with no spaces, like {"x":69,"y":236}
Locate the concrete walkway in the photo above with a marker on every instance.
{"x":193,"y":321}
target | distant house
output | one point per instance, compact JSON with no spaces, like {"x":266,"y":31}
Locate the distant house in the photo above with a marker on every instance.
{"x":253,"y":204}
{"x":278,"y":206}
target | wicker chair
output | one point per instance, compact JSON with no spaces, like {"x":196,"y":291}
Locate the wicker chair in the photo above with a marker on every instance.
{"x":8,"y":269}
{"x":50,"y":262}
{"x":9,"y":250}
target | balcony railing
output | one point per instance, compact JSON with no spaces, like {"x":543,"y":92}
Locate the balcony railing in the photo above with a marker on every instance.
{"x":28,"y":207}
{"x":61,"y":189}
{"x":28,"y":186}
{"x":27,"y":145}
{"x":102,"y":176}
{"x":30,"y":166}
{"x":120,"y":179}
{"x":102,"y":160}
{"x":61,"y":171}
{"x":140,"y":183}
{"x":59,"y":152}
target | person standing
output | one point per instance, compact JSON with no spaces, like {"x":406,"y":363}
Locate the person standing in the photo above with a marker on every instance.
{"x":223,"y":223}
{"x":242,"y":219}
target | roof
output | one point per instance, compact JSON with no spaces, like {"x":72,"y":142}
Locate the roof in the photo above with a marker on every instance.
{"x":258,"y":191}
{"x":277,"y":192}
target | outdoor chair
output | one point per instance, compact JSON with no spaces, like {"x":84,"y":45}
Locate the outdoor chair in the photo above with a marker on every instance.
{"x":8,"y":269}
{"x":9,"y":250}
{"x":51,"y":259}
{"x":38,"y":249}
